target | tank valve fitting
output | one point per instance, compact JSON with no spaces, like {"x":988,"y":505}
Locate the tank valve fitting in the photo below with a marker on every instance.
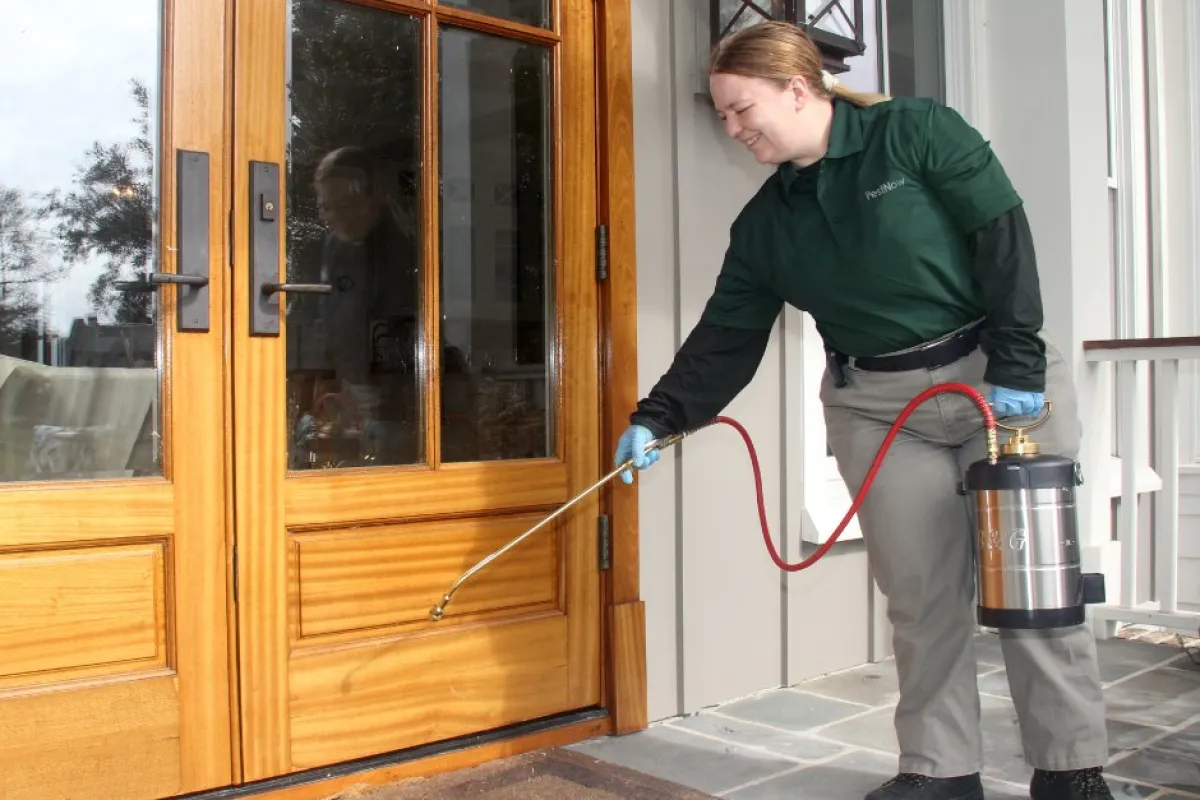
{"x":1019,"y":444}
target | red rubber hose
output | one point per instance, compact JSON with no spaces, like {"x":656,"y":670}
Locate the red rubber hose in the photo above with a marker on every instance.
{"x":942,"y":388}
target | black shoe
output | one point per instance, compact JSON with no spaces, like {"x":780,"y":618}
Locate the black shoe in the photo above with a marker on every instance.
{"x":1080,"y":784}
{"x":908,"y":786}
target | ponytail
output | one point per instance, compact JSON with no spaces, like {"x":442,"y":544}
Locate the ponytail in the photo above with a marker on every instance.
{"x":860,"y":99}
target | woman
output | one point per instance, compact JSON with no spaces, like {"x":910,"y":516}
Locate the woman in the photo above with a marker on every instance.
{"x":895,"y":227}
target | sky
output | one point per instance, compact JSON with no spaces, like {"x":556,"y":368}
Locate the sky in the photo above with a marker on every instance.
{"x":65,"y":69}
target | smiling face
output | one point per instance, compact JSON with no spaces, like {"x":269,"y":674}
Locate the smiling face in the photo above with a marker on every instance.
{"x":777,"y":121}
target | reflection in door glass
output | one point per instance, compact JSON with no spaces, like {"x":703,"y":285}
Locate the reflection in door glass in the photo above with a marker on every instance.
{"x":496,"y":246}
{"x":79,"y":189}
{"x":354,"y":372}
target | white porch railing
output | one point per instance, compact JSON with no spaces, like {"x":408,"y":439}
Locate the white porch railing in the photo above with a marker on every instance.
{"x":1129,"y":359}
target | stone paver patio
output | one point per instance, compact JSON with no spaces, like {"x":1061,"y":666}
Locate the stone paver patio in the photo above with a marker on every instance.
{"x":832,"y":738}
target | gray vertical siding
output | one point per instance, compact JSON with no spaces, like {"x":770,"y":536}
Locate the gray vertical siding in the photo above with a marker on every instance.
{"x":722,"y":621}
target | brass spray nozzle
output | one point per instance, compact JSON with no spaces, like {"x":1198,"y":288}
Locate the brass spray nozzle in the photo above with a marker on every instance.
{"x":439,"y":611}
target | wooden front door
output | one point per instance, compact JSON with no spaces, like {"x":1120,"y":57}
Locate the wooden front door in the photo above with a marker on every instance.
{"x":114,"y":659}
{"x":415,"y":369}
{"x":298,"y":321}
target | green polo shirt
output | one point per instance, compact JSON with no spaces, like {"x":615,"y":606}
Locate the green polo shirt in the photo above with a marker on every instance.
{"x":872,"y":240}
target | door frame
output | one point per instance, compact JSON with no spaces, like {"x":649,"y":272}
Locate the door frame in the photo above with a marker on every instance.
{"x":624,"y":639}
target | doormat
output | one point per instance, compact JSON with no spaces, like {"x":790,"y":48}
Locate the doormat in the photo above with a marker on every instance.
{"x":542,"y":775}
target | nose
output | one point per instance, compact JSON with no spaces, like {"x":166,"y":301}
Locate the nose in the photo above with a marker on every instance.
{"x":732,"y":127}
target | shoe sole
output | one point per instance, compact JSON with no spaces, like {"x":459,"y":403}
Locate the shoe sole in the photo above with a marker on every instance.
{"x":974,"y":794}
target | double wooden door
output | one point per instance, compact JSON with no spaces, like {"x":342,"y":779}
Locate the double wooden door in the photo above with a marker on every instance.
{"x":297,"y":322}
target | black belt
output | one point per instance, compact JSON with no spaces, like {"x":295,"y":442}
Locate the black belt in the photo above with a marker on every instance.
{"x":935,"y":355}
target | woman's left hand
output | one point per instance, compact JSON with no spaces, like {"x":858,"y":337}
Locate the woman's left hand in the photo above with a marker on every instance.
{"x":1016,"y":403}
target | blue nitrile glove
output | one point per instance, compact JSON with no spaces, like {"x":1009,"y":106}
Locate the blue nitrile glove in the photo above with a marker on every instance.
{"x":633,"y":445}
{"x":1015,"y":403}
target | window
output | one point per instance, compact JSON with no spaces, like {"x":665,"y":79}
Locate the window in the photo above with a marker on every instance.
{"x":915,"y":54}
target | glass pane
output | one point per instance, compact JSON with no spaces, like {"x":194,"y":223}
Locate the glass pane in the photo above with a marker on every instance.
{"x":496,"y":247}
{"x":79,"y":190}
{"x":735,"y":15}
{"x":530,"y":12}
{"x":354,"y":371}
{"x":915,"y":49}
{"x":836,"y":17}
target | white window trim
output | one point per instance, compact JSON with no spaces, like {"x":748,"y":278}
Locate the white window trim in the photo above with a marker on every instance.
{"x":1191,"y":393}
{"x":1130,"y":116}
{"x":820,"y":497}
{"x":881,"y":45}
{"x":966,"y":61}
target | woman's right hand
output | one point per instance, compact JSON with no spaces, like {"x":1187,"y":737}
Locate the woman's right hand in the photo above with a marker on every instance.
{"x":632,"y":445}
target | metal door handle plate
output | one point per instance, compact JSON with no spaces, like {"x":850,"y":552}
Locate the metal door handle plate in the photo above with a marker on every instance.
{"x":191,"y":235}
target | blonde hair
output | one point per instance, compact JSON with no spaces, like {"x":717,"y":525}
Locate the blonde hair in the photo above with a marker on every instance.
{"x":779,"y":51}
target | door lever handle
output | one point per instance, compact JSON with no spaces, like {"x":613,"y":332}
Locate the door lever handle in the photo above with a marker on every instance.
{"x":152,"y":280}
{"x":297,"y":288}
{"x":183,"y":280}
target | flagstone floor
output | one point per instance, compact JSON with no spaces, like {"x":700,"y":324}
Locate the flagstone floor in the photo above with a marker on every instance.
{"x":832,"y":738}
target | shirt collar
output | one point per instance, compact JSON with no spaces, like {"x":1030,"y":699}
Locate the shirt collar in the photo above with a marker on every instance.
{"x":845,"y":138}
{"x":846,"y":133}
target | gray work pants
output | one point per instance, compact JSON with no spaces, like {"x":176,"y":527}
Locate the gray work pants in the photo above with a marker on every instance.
{"x":922,"y":554}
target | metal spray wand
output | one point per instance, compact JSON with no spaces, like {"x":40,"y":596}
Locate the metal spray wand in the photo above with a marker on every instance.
{"x":439,"y":610}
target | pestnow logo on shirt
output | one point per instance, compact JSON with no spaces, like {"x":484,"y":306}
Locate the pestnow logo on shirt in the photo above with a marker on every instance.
{"x":884,"y":188}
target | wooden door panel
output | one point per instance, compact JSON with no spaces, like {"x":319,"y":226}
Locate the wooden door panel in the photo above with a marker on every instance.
{"x":114,"y":739}
{"x":45,"y":516}
{"x":391,"y":693}
{"x":369,"y":581}
{"x":432,"y":391}
{"x":73,"y":613}
{"x":355,"y":495}
{"x":113,"y":555}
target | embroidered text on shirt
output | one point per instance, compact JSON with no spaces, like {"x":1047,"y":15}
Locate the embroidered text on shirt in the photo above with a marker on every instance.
{"x":883,"y":189}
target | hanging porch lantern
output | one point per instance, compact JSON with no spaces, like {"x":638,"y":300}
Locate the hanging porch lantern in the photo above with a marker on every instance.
{"x":836,"y":26}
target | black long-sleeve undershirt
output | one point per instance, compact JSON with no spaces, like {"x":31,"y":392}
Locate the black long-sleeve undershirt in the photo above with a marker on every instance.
{"x":1005,"y":268}
{"x":715,"y":363}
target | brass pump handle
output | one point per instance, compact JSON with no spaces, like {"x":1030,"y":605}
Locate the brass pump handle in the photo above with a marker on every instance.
{"x":1019,"y":444}
{"x":1021,"y":429}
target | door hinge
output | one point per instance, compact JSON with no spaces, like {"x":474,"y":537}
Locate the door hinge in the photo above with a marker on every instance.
{"x":605,"y":541}
{"x":235,"y":574}
{"x":601,"y":252}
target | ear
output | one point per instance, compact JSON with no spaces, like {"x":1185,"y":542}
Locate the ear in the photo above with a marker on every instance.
{"x":800,"y":91}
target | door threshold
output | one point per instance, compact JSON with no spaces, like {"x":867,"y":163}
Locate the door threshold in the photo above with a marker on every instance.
{"x":423,"y":760}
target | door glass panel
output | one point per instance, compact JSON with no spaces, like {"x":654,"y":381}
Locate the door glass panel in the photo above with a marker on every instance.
{"x":529,"y":12}
{"x":496,"y":247}
{"x":354,"y":368}
{"x":79,"y":190}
